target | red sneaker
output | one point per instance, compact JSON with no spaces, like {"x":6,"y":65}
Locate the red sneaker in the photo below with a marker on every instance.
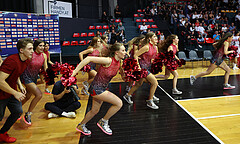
{"x":6,"y":138}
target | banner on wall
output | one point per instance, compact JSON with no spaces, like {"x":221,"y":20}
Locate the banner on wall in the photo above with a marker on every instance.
{"x":15,"y":26}
{"x":63,"y":9}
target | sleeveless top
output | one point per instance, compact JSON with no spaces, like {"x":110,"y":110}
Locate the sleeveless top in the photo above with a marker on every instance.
{"x":46,"y":52}
{"x":146,"y":58}
{"x":132,"y":52}
{"x":35,"y":65}
{"x":105,"y":74}
{"x":95,"y":53}
{"x":174,"y":48}
{"x":219,"y":53}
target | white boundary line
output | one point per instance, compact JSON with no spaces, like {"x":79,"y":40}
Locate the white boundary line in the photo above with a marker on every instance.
{"x":192,"y":116}
{"x":209,"y":98}
{"x":218,"y":116}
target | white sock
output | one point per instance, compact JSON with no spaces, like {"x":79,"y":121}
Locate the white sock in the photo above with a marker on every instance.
{"x":106,"y":121}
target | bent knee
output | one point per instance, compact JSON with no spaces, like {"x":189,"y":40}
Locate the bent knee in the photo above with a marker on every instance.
{"x":94,"y":111}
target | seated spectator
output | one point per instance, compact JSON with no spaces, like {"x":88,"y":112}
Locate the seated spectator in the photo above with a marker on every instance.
{"x":121,"y":37}
{"x":218,"y":16}
{"x":181,"y":15}
{"x":120,"y":27}
{"x":105,"y":18}
{"x":192,"y":27}
{"x":216,"y":36}
{"x":143,"y":28}
{"x":197,"y":23}
{"x":98,"y":34}
{"x":232,"y":27}
{"x":195,"y":16}
{"x":200,"y":39}
{"x":161,"y":38}
{"x":65,"y":104}
{"x":112,"y":27}
{"x":224,"y":28}
{"x":154,"y":11}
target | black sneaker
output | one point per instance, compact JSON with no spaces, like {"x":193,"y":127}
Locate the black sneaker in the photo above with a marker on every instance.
{"x":27,"y":118}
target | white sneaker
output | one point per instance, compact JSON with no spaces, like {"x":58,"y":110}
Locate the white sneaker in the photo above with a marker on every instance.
{"x":103,"y":125}
{"x":70,"y":115}
{"x":151,"y":104}
{"x":128,"y":98}
{"x":83,"y":129}
{"x":235,"y":68}
{"x":192,"y":79}
{"x":84,"y":91}
{"x":85,"y":85}
{"x":155,"y":98}
{"x":175,"y":91}
{"x":228,"y":86}
{"x":52,"y":115}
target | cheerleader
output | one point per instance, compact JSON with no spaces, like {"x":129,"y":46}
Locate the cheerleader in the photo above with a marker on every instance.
{"x":29,"y":78}
{"x":94,"y":49}
{"x":170,"y":44}
{"x":98,"y":89}
{"x":133,"y":47}
{"x":147,"y":53}
{"x":221,"y":49}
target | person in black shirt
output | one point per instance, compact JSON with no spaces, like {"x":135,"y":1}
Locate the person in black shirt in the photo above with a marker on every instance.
{"x":64,"y":104}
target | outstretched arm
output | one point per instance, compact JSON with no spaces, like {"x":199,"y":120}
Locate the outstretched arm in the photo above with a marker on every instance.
{"x":87,"y":51}
{"x":98,"y":60}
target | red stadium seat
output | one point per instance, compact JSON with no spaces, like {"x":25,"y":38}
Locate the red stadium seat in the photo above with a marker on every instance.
{"x":76,"y":35}
{"x":83,"y":34}
{"x":105,"y":27}
{"x":66,"y":43}
{"x":154,"y":26}
{"x":141,"y":15}
{"x":144,"y":20}
{"x":82,"y":42}
{"x":89,"y":41}
{"x":91,"y":27}
{"x":150,"y":20}
{"x":209,"y":40}
{"x":98,"y":27}
{"x":158,"y":33}
{"x":73,"y":43}
{"x":143,"y":10}
{"x":91,"y":34}
{"x":117,"y":20}
{"x":139,"y":10}
{"x":135,"y":15}
{"x":148,"y":26}
{"x":138,"y":20}
{"x":139,"y":26}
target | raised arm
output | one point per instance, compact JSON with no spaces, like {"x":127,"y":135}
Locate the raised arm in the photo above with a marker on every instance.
{"x":140,"y":52}
{"x":98,"y":60}
{"x":87,"y":51}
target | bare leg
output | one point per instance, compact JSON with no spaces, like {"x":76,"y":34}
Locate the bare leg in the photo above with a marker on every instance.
{"x":210,"y":69}
{"x":33,"y":89}
{"x":165,"y":76}
{"x":97,"y":102}
{"x":135,"y":87}
{"x":91,"y":76}
{"x":153,"y":81}
{"x":227,"y":70}
{"x":175,"y":78}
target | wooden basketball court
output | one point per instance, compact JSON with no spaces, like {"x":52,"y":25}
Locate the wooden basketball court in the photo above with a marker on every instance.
{"x":204,"y":113}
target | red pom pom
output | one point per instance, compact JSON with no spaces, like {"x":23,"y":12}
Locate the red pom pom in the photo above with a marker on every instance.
{"x":86,"y":68}
{"x":67,"y":70}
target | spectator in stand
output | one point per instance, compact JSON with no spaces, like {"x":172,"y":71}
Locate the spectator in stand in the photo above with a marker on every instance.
{"x":211,"y":15}
{"x":195,"y":16}
{"x":98,"y":34}
{"x":237,"y":20}
{"x":205,"y":17}
{"x":113,"y":37}
{"x":147,"y":13}
{"x":105,"y":18}
{"x":216,"y":27}
{"x":216,"y":36}
{"x":232,"y":27}
{"x":174,"y":17}
{"x":181,"y":15}
{"x":118,"y":13}
{"x":225,"y":21}
{"x":218,"y":16}
{"x":121,"y":37}
{"x":192,"y":27}
{"x":143,"y":28}
{"x":112,"y":27}
{"x":197,"y":23}
{"x":224,"y":28}
{"x":161,"y":37}
{"x":154,"y":12}
{"x":202,"y":31}
{"x":120,"y":27}
{"x":201,"y":40}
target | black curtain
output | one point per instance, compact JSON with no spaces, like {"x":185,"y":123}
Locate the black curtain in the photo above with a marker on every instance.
{"x":17,"y":6}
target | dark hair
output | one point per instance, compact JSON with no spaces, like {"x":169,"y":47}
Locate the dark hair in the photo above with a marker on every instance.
{"x":22,"y":43}
{"x":135,"y":41}
{"x":94,"y":42}
{"x":162,"y":47}
{"x":103,"y":37}
{"x":45,"y":42}
{"x":146,"y":40}
{"x":222,"y":40}
{"x":36,"y":43}
{"x":115,"y":47}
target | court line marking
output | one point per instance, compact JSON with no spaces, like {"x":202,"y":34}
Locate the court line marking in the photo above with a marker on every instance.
{"x":192,"y":116}
{"x":209,"y":98}
{"x":218,"y":116}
